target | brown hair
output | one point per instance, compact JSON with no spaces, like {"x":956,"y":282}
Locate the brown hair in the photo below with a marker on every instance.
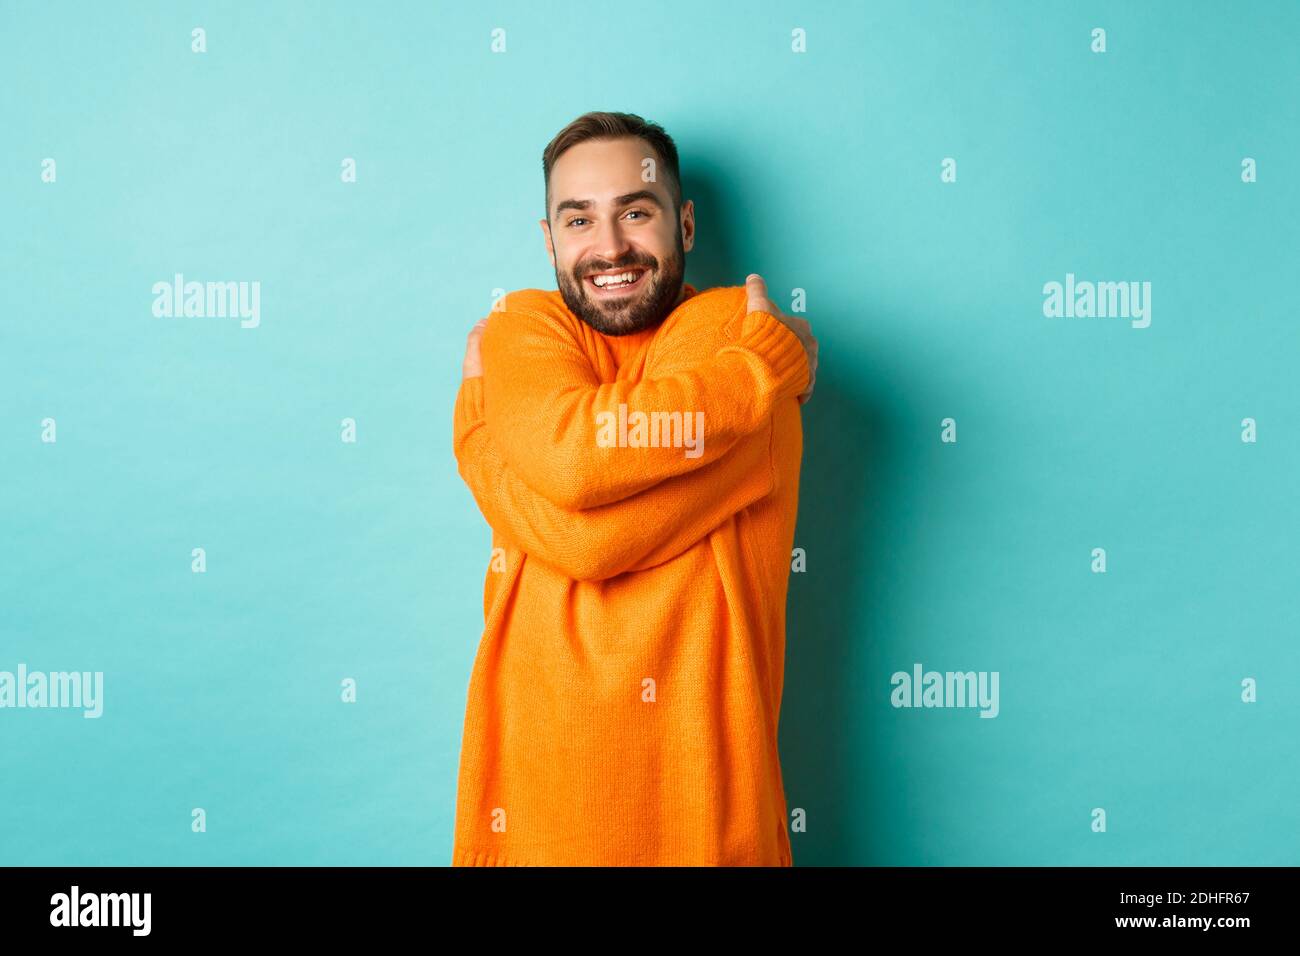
{"x":599,"y":125}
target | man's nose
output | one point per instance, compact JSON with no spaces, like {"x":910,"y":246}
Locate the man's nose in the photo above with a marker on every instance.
{"x":611,"y":242}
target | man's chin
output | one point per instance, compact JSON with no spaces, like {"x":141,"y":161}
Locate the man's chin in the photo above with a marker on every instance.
{"x":616,"y":306}
{"x":617,"y":316}
{"x":618,"y":323}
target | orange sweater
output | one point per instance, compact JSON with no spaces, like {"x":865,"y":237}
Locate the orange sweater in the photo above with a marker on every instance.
{"x":624,"y":700}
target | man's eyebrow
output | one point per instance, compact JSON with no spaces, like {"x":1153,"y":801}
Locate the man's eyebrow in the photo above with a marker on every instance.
{"x":641,"y":195}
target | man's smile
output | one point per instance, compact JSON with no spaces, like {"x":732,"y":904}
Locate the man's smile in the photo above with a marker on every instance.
{"x":615,"y":283}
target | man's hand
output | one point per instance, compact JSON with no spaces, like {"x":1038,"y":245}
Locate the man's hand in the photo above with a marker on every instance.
{"x":759,"y":302}
{"x":473,"y":365}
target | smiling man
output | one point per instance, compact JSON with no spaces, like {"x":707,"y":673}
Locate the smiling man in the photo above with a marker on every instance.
{"x":624,"y":701}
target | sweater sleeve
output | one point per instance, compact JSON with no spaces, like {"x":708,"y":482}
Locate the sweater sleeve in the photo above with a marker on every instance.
{"x":544,"y":403}
{"x":592,"y":544}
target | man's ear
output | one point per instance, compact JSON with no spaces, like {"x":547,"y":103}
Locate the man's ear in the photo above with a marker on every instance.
{"x":688,"y":225}
{"x":550,"y":246}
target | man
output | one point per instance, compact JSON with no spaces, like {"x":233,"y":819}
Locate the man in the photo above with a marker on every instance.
{"x":635,"y":446}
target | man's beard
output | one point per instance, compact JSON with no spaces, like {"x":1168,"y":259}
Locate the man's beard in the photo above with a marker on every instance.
{"x":628,"y":314}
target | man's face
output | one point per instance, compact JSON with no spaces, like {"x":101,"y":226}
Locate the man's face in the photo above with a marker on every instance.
{"x":604,"y":218}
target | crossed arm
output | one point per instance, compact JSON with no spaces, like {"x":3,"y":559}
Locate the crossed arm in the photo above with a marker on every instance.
{"x":525,"y":445}
{"x":638,"y":532}
{"x":544,"y":401}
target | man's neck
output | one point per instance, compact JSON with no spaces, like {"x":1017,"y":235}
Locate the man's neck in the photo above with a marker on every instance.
{"x":681,"y":297}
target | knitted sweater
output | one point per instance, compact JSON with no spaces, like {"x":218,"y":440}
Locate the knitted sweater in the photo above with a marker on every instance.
{"x":623,"y":704}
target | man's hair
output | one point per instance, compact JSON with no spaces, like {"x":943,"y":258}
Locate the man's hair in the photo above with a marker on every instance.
{"x":599,"y":125}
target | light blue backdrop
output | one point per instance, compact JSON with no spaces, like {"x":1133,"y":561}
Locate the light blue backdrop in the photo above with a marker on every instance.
{"x":821,"y":170}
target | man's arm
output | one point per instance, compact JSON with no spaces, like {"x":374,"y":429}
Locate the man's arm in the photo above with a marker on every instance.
{"x":638,"y":532}
{"x":544,"y":402}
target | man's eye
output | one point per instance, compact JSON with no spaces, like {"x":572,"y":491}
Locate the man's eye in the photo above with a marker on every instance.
{"x":577,"y":219}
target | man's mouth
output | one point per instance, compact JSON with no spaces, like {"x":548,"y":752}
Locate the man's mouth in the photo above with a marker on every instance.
{"x":617,"y":281}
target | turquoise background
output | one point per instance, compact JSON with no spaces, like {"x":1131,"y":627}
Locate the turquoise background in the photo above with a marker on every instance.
{"x":820,"y":171}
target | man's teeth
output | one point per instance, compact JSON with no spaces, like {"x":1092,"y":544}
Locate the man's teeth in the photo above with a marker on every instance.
{"x":620,"y":279}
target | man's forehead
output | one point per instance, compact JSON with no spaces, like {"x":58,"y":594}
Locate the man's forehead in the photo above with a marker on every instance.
{"x":603,"y":174}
